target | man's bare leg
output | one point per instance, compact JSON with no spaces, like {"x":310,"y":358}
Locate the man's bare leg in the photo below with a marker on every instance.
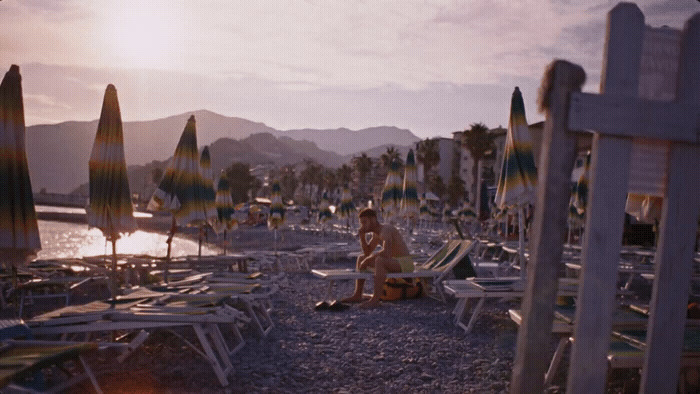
{"x":359,"y":285}
{"x":382,"y":266}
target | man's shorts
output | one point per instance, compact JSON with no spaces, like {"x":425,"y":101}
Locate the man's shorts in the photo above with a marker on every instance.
{"x":406,"y":263}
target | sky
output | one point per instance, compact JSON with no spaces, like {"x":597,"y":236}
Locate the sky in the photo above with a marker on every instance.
{"x":430,"y":66}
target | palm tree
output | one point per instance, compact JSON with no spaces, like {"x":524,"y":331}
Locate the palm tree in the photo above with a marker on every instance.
{"x":330,"y":180}
{"x":428,"y":154}
{"x":344,"y":174}
{"x":363,"y":166}
{"x":391,"y":155}
{"x":311,"y":174}
{"x":479,"y":142}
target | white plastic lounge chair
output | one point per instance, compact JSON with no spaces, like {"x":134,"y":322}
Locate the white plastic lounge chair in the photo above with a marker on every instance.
{"x":436,"y":268}
{"x":482,"y":289}
{"x":134,"y":315}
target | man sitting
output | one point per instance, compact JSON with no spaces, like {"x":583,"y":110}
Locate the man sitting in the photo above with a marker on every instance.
{"x":392,"y":257}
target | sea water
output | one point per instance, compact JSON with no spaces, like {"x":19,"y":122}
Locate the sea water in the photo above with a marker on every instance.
{"x":75,"y":240}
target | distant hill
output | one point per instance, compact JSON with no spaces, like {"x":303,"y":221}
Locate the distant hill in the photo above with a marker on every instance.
{"x":58,"y":154}
{"x":346,"y":142}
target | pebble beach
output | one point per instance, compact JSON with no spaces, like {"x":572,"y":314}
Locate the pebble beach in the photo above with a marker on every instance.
{"x":409,"y":345}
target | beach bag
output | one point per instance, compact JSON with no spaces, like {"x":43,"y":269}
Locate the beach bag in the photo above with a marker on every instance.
{"x":401,"y":289}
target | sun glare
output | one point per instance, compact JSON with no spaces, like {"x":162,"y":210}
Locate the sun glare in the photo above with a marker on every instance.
{"x":142,"y":34}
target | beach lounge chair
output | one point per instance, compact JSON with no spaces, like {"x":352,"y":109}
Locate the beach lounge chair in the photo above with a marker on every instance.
{"x":22,"y":360}
{"x":482,"y":289}
{"x":134,"y":315}
{"x":435,"y":269}
{"x":251,"y":298}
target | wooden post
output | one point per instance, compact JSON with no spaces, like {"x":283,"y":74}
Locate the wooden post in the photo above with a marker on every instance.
{"x":679,"y":222}
{"x":610,"y":158}
{"x":548,"y":229}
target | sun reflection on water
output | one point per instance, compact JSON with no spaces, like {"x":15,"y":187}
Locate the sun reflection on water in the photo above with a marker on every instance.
{"x":67,"y":240}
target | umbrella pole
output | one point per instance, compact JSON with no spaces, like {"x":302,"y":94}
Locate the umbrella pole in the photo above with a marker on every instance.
{"x":224,"y":242}
{"x":521,"y":242}
{"x":199,"y":249}
{"x":169,"y":241}
{"x":277,"y":259}
{"x":113,"y":280}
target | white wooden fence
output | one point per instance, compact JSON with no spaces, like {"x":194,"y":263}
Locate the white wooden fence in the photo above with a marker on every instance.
{"x":648,"y":111}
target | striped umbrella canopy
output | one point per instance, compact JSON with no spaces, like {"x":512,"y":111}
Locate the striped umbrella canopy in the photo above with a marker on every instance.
{"x":391,"y":194}
{"x":518,"y":179}
{"x":182,"y":190}
{"x":324,"y":209}
{"x":581,"y":192}
{"x":110,"y":207}
{"x":346,"y":204}
{"x":409,"y":200}
{"x":224,"y":205}
{"x":276,"y":217}
{"x":466,"y":213}
{"x":424,"y":211}
{"x":19,"y":233}
{"x":208,"y":178}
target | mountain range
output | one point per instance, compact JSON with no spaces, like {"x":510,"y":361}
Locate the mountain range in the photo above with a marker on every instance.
{"x":58,"y":154}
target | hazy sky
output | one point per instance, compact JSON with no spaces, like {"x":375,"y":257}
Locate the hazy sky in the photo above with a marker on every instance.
{"x":430,"y":66}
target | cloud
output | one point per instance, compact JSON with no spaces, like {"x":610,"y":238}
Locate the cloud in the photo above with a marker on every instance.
{"x":301,"y":64}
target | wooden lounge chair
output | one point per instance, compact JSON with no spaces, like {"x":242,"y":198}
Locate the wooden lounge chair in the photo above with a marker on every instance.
{"x":436,"y":268}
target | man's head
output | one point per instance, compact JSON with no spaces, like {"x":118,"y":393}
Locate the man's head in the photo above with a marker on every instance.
{"x":368,"y":219}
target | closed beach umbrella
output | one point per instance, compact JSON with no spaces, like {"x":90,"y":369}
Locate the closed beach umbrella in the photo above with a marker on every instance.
{"x":209,"y":195}
{"x":518,"y":179}
{"x":581,"y":192}
{"x":182,"y":190}
{"x":110,"y":207}
{"x":324,"y":209}
{"x":208,"y":178}
{"x":409,"y":200}
{"x":424,"y":211}
{"x":466,"y":213}
{"x":224,"y":207}
{"x":346,"y":205}
{"x":391,"y":194}
{"x":276,"y":217}
{"x":19,"y":233}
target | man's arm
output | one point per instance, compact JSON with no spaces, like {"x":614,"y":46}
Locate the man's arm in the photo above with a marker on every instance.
{"x":368,"y":247}
{"x":387,"y":246}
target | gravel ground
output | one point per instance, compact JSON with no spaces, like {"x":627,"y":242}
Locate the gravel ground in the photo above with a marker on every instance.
{"x":409,"y":346}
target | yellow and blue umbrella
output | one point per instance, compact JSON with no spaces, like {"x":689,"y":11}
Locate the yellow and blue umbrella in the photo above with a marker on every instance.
{"x":276,"y":217}
{"x":391,"y":194}
{"x":346,"y":205}
{"x":208,"y":178}
{"x":224,"y":207}
{"x":110,"y":207}
{"x":518,"y":179}
{"x":424,"y":211}
{"x":581,"y":192}
{"x":466,"y":213}
{"x":324,"y":209}
{"x":409,"y":200}
{"x":19,"y":233}
{"x":182,"y":190}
